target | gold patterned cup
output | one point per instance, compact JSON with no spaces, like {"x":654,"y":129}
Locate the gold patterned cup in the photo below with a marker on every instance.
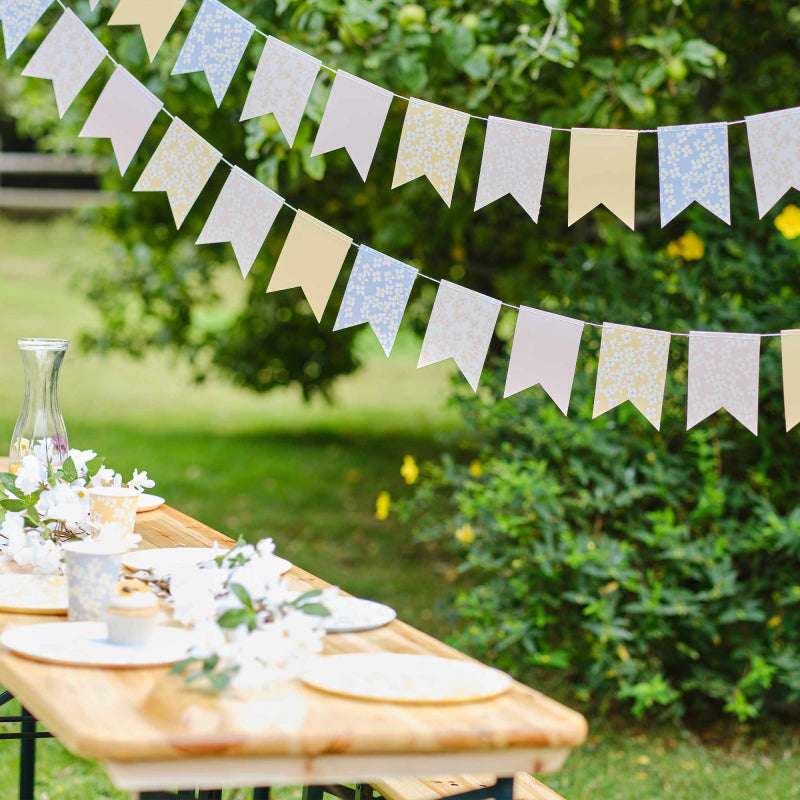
{"x":115,"y":504}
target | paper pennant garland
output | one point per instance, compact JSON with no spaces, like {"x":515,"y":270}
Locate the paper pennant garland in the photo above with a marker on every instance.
{"x":93,"y":4}
{"x":353,"y":119}
{"x":723,"y":374}
{"x":243,"y":215}
{"x":774,"y":140}
{"x":430,"y":145}
{"x":68,"y":56}
{"x":790,"y":358}
{"x":377,"y":293}
{"x":281,"y":86}
{"x":123,"y":113}
{"x":215,"y":45}
{"x":514,"y":161}
{"x":544,"y":351}
{"x":311,"y":259}
{"x":18,"y":18}
{"x":181,"y":166}
{"x":632,"y":366}
{"x":460,"y":327}
{"x":154,"y":17}
{"x":693,"y":165}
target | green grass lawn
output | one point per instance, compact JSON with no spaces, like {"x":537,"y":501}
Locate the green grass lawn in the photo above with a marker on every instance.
{"x":308,"y":475}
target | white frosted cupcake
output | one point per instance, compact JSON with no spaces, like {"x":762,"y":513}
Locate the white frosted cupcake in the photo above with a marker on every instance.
{"x":131,"y":614}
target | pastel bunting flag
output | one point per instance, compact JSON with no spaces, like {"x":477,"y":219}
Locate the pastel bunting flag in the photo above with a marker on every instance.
{"x":514,"y":161}
{"x":123,"y":113}
{"x":723,"y":374}
{"x":632,"y":366}
{"x":68,"y":56}
{"x":154,"y":17}
{"x":281,"y":86}
{"x":93,"y":4}
{"x":311,"y":260}
{"x":215,"y":45}
{"x":693,"y":166}
{"x":181,"y":166}
{"x":430,"y":145}
{"x":243,"y":215}
{"x":377,"y":293}
{"x":544,"y":351}
{"x":460,"y":327}
{"x":18,"y":18}
{"x":602,"y":170}
{"x":353,"y":119}
{"x":774,"y":140}
{"x":790,"y":358}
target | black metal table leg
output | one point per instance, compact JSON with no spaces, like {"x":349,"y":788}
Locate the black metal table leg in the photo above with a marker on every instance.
{"x":27,"y":757}
{"x":209,"y":794}
{"x":261,"y":793}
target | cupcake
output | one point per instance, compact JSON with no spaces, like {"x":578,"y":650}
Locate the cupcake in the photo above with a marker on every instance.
{"x":131,"y":614}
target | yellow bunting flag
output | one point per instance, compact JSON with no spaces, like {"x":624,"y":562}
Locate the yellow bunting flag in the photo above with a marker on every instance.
{"x":311,"y":259}
{"x":790,"y":357}
{"x":602,"y":169}
{"x":154,"y":17}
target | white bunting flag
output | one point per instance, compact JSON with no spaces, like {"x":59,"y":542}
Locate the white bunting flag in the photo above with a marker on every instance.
{"x":632,"y":366}
{"x":181,"y":166}
{"x":154,"y":17}
{"x":243,"y":215}
{"x":281,"y":86}
{"x":544,"y":351}
{"x":93,"y":4}
{"x":18,"y":18}
{"x":353,"y":119}
{"x":774,"y":140}
{"x":68,"y":56}
{"x":514,"y":161}
{"x":460,"y":327}
{"x":123,"y":113}
{"x":723,"y":374}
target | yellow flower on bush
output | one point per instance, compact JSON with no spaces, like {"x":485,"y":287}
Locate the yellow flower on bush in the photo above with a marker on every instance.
{"x":788,"y":222}
{"x":475,"y":468}
{"x":382,"y":505}
{"x":409,"y":470}
{"x":689,"y":247}
{"x":465,"y":534}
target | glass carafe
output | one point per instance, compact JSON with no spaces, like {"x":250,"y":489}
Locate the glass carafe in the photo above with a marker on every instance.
{"x":40,"y":428}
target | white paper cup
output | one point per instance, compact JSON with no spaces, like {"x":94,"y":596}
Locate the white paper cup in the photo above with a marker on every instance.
{"x":92,"y":569}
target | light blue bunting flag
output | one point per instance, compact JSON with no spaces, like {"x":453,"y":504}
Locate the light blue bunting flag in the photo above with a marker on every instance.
{"x":215,"y":45}
{"x":693,"y":165}
{"x":377,"y":293}
{"x":18,"y":17}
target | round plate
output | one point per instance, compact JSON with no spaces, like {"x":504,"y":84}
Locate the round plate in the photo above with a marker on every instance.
{"x":353,"y":614}
{"x":148,"y":502}
{"x":33,"y":594}
{"x":162,"y":560}
{"x":85,"y":644}
{"x":402,"y":678}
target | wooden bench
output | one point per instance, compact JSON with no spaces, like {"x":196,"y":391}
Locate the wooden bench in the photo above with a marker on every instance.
{"x":526,"y":787}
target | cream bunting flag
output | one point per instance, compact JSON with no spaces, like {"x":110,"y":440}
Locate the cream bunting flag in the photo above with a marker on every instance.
{"x":460,"y":327}
{"x":632,"y":366}
{"x":602,"y":169}
{"x":544,"y":351}
{"x":311,"y":260}
{"x":790,"y":358}
{"x":68,"y":56}
{"x":243,"y":215}
{"x":93,"y":4}
{"x":774,"y":140}
{"x":723,"y":374}
{"x":154,"y":17}
{"x":430,"y":145}
{"x":181,"y":166}
{"x":514,"y":161}
{"x":281,"y":86}
{"x":353,"y":119}
{"x":18,"y":18}
{"x":123,"y":113}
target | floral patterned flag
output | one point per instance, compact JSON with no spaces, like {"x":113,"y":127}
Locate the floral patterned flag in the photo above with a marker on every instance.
{"x":281,"y":86}
{"x":353,"y":119}
{"x":430,"y":145}
{"x":790,"y":357}
{"x":460,"y":327}
{"x":774,"y":140}
{"x":68,"y":56}
{"x":514,"y":160}
{"x":723,"y":374}
{"x":243,"y":215}
{"x":633,"y":366}
{"x":545,"y":351}
{"x":18,"y":17}
{"x":377,"y":293}
{"x":154,"y":17}
{"x":215,"y":45}
{"x":123,"y":113}
{"x":311,"y":260}
{"x":181,"y":166}
{"x":693,"y":165}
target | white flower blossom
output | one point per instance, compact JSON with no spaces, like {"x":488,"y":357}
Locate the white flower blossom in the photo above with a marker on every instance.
{"x":80,"y":458}
{"x":31,"y":475}
{"x":140,"y":481}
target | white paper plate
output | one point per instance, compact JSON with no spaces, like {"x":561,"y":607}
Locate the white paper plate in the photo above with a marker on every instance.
{"x":402,"y":678}
{"x":162,"y":560}
{"x":149,"y":502}
{"x":353,"y":614}
{"x":85,"y":644}
{"x":33,"y":594}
